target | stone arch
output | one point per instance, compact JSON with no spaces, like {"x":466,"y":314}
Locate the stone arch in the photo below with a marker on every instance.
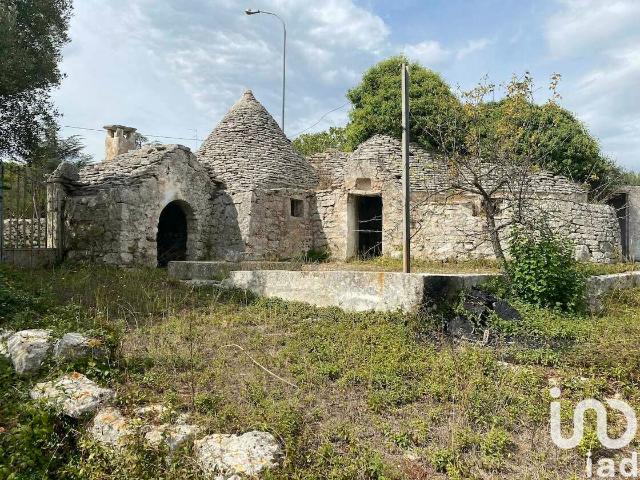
{"x":176,"y":229}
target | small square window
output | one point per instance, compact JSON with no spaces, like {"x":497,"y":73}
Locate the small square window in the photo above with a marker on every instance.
{"x":297,"y":208}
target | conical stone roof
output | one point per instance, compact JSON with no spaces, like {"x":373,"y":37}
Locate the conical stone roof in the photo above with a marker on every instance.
{"x":248,"y":150}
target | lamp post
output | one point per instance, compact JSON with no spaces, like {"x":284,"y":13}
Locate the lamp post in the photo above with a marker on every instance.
{"x":284,"y":53}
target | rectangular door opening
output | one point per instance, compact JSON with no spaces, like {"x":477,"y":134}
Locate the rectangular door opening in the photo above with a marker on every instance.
{"x":620,"y":202}
{"x":368,"y":210}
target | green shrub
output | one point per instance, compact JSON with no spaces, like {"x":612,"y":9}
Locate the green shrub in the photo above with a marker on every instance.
{"x":442,"y":459}
{"x":543,"y":271}
{"x":35,"y":445}
{"x":496,"y":444}
{"x":13,"y":300}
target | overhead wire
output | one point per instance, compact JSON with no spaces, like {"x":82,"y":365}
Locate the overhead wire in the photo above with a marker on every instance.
{"x":143,"y":134}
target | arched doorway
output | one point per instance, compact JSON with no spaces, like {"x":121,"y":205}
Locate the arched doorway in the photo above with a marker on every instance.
{"x":172,"y":235}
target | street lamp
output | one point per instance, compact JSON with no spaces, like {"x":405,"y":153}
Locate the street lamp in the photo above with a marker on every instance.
{"x":284,"y":52}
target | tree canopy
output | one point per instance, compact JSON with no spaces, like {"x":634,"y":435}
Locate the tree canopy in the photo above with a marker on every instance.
{"x":377,"y":107}
{"x":562,"y":143}
{"x":309,"y":143}
{"x":32,"y":34}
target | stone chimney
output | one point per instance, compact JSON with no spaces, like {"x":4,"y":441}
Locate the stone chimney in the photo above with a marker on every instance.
{"x":120,"y":139}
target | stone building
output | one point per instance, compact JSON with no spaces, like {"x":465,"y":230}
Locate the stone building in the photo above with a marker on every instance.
{"x":359,"y":205}
{"x":626,"y":201}
{"x":246,"y":194}
{"x":144,"y":207}
{"x":269,"y":186}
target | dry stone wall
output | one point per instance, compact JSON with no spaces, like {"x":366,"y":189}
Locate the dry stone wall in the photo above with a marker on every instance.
{"x":25,"y":232}
{"x":451,"y":228}
{"x":274,"y":232}
{"x":112,"y":210}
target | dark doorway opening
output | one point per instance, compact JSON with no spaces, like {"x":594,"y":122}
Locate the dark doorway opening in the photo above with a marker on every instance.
{"x":621,"y":204}
{"x":172,"y":234}
{"x":369,"y":226}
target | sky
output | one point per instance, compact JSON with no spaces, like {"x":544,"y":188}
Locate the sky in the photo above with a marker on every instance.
{"x":172,"y":68}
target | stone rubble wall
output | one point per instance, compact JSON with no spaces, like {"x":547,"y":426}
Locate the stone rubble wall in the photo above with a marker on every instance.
{"x":273,"y":231}
{"x":231,"y":220}
{"x":447,"y":226}
{"x":381,"y":158}
{"x":25,"y":233}
{"x":329,"y":221}
{"x":329,"y":167}
{"x":455,"y":231}
{"x":116,"y":222}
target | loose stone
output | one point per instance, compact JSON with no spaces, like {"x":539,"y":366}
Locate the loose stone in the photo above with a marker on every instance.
{"x":75,"y":394}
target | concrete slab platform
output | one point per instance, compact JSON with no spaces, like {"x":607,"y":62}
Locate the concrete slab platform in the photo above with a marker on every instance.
{"x":349,"y":290}
{"x":598,"y":286}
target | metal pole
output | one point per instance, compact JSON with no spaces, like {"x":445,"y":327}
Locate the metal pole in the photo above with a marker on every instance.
{"x":284,"y":69}
{"x":284,"y":55}
{"x":406,"y":184}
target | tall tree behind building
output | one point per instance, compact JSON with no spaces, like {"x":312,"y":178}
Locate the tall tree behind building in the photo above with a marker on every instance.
{"x":32,"y":34}
{"x":376,"y":103}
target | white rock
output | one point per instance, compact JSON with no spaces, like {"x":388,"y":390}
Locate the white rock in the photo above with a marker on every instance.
{"x":28,"y":349}
{"x":75,"y":345}
{"x":110,"y":427}
{"x":4,"y":336}
{"x":75,"y":394}
{"x":183,"y":419}
{"x":248,"y":454}
{"x":151,"y":412}
{"x":172,"y":435}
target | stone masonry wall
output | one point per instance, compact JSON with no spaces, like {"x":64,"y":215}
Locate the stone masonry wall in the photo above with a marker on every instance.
{"x":115,"y":221}
{"x":25,"y":232}
{"x":258,"y":225}
{"x":453,"y":229}
{"x":274,"y":231}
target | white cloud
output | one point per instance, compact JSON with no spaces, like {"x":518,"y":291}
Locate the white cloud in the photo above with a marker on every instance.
{"x":472,"y":46}
{"x":607,"y":101}
{"x":604,"y":94}
{"x":427,"y":53}
{"x":341,"y":22}
{"x":586,"y":25}
{"x":169,"y":68}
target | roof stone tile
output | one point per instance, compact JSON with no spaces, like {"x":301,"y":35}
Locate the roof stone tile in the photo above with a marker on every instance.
{"x":248,"y":150}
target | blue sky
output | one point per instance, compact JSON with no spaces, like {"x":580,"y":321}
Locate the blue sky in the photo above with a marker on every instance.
{"x":174,"y":67}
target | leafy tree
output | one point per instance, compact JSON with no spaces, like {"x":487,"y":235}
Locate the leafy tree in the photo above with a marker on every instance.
{"x":310,"y":143}
{"x":564,"y":144}
{"x":495,"y":154}
{"x":140,"y":139}
{"x":53,"y":150}
{"x":32,"y":34}
{"x":630,"y":178}
{"x":377,"y":106}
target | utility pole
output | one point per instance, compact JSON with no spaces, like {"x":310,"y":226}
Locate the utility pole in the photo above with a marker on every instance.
{"x":406,"y":183}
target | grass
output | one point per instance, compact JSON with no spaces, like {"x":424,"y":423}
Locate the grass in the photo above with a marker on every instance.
{"x":386,"y":263}
{"x":364,"y":396}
